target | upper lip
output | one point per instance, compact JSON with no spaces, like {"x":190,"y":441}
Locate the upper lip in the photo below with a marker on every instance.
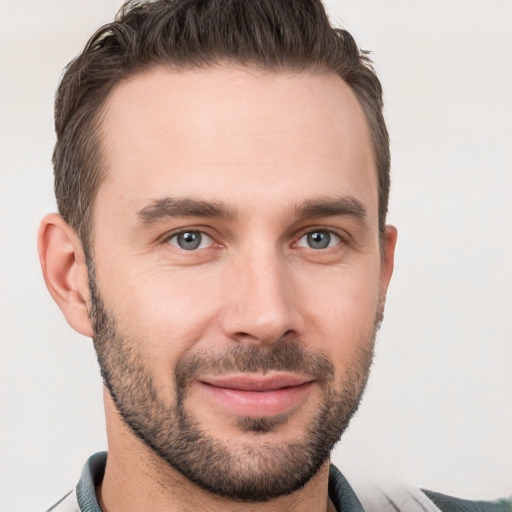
{"x":257,"y":382}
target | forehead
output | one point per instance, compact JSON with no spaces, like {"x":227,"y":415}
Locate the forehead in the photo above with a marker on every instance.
{"x":234,"y":134}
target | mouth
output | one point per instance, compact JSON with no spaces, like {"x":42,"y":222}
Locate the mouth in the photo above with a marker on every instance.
{"x":257,"y":395}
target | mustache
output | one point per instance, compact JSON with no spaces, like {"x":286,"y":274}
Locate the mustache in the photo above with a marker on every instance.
{"x":245,"y":358}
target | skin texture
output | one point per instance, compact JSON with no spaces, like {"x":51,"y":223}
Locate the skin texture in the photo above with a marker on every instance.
{"x":276,"y":157}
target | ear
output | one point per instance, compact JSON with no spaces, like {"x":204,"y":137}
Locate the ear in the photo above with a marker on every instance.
{"x":64,"y":270}
{"x":387,"y":261}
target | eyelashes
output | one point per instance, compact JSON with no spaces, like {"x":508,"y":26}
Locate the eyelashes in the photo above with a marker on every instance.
{"x":191,"y":240}
{"x":319,"y":239}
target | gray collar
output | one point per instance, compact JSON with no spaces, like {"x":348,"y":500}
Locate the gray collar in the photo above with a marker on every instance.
{"x":340,"y":492}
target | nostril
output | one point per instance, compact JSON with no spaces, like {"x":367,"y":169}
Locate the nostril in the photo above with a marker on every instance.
{"x":265,"y":337}
{"x":288,"y":335}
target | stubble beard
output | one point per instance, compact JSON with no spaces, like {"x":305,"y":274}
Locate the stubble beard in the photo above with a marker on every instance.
{"x":256,"y":470}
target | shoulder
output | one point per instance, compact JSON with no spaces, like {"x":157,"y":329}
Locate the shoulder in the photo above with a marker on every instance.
{"x":68,"y":503}
{"x":83,"y":496}
{"x":451,"y":504}
{"x":386,"y":495}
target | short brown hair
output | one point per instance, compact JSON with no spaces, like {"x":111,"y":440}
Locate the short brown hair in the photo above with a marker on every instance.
{"x":272,"y":35}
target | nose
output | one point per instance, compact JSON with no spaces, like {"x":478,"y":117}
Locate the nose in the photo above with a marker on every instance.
{"x":261,"y":302}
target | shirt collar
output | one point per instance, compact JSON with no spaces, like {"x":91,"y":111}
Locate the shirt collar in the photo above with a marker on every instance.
{"x":340,"y":492}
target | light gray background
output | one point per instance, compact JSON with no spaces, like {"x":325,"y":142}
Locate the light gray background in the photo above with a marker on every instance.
{"x":438,"y":411}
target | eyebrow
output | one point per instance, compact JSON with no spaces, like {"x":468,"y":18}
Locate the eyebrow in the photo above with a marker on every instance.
{"x":161,"y":209}
{"x":343,"y":206}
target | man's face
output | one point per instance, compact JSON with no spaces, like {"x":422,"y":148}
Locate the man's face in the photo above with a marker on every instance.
{"x":238,"y":280}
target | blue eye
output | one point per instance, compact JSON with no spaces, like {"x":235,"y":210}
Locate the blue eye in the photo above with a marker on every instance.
{"x":190,"y":240}
{"x":320,"y":239}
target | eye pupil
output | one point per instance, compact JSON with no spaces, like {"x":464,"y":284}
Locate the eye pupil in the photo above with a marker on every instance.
{"x":189,"y":240}
{"x":319,"y":239}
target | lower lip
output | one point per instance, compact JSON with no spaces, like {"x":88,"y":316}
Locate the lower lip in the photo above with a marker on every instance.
{"x":258,"y":404}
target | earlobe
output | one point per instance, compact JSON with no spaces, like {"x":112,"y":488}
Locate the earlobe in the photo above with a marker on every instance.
{"x":65,"y":271}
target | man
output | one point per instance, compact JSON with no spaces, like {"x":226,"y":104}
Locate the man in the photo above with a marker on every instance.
{"x":222,"y":177}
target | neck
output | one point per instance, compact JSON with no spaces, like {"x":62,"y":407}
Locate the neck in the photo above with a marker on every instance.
{"x":140,"y":488}
{"x":136,"y":479}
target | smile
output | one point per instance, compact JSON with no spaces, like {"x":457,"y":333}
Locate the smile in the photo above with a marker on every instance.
{"x":257,"y":395}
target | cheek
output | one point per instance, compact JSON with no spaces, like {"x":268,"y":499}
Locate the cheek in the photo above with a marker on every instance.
{"x":340,"y":309}
{"x":169,"y":310}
